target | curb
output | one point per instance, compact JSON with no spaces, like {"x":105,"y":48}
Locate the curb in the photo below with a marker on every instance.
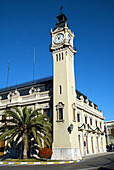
{"x":36,"y":163}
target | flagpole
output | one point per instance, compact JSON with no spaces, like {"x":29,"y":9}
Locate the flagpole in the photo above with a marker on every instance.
{"x":7,"y":75}
{"x":34,"y":65}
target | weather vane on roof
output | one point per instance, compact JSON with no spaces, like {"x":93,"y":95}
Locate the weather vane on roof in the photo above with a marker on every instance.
{"x":61,"y":8}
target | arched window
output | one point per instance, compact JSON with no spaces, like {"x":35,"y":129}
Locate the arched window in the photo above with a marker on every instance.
{"x":59,"y":108}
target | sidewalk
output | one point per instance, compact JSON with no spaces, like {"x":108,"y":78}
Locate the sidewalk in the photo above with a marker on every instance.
{"x":96,"y":155}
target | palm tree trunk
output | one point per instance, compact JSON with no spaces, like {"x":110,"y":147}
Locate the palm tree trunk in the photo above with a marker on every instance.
{"x":24,"y":147}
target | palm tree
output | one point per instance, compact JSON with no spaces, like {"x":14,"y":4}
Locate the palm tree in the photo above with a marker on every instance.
{"x":24,"y":124}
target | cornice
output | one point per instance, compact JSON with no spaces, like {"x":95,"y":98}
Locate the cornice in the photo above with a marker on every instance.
{"x":89,"y":111}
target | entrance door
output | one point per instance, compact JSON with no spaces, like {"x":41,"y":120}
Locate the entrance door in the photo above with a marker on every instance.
{"x":92,"y":144}
{"x":87,"y":144}
{"x":79,"y":143}
{"x":97,"y":145}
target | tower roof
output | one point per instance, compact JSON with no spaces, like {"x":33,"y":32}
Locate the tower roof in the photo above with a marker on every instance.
{"x":61,"y":20}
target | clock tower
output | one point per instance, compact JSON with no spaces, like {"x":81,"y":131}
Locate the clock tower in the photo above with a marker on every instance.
{"x":65,"y":139}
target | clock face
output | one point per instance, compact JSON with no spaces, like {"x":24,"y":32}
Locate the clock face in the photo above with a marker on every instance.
{"x":59,"y":38}
{"x":69,"y":38}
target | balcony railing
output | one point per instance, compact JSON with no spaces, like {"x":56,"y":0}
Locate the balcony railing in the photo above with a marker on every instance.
{"x":35,"y":96}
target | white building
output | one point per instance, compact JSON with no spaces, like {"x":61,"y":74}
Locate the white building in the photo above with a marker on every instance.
{"x":76,"y":120}
{"x":109,"y":128}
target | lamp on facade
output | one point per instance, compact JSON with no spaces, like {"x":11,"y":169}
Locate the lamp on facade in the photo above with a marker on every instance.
{"x":70,"y":128}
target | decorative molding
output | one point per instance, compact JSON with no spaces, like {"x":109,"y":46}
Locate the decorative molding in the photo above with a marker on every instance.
{"x":9,"y":96}
{"x":82,"y":98}
{"x":74,"y":106}
{"x":32,"y":91}
{"x":60,"y":105}
{"x":16,"y":93}
{"x":87,"y":101}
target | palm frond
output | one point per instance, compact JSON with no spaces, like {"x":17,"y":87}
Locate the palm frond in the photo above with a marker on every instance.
{"x":13,"y":114}
{"x":18,"y":111}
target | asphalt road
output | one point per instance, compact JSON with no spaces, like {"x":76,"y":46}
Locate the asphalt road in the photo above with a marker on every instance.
{"x":97,"y":163}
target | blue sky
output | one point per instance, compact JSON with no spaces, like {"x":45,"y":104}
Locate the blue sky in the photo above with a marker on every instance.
{"x":27,"y":23}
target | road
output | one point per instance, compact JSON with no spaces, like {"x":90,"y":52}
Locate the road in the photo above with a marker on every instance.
{"x":97,"y":163}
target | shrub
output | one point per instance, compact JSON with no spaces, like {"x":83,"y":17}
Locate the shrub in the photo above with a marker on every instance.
{"x":45,"y":153}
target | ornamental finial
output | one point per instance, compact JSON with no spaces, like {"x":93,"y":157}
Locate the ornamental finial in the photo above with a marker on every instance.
{"x":61,"y":8}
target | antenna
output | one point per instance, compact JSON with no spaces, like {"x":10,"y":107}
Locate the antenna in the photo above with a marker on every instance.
{"x":8,"y":75}
{"x":34,"y":64}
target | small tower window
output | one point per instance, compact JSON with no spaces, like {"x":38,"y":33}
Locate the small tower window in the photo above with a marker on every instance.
{"x":60,"y":89}
{"x":57,"y":57}
{"x":62,"y":56}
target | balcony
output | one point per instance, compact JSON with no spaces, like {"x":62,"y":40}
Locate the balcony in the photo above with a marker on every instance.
{"x":46,"y":95}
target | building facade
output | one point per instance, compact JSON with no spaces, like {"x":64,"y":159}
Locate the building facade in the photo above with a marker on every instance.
{"x":109,"y":128}
{"x":77,"y":123}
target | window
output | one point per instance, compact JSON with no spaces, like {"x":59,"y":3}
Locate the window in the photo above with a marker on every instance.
{"x":100,"y":125}
{"x":3,"y":118}
{"x":85,"y":119}
{"x":59,"y":109}
{"x":62,"y":56}
{"x":90,"y":121}
{"x":78,"y":117}
{"x":46,"y":112}
{"x":60,"y":89}
{"x":74,"y":117}
{"x":96,"y":123}
{"x":57,"y":57}
{"x":60,"y":113}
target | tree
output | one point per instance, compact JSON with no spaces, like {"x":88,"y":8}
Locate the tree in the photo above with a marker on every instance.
{"x":24,"y":124}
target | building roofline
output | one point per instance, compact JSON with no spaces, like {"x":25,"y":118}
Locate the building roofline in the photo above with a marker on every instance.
{"x":26,"y":84}
{"x":111,"y":121}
